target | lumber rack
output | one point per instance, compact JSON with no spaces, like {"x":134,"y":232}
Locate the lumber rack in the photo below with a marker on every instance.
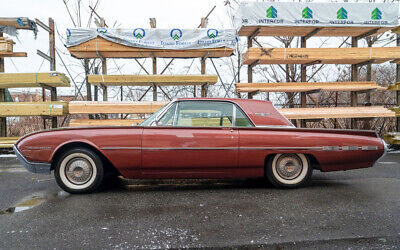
{"x":356,"y":57}
{"x":47,"y":81}
{"x":155,"y":79}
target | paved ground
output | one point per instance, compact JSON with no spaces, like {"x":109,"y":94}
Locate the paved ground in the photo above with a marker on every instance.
{"x":357,"y":209}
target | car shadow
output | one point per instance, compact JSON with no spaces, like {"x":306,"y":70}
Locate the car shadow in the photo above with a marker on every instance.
{"x":120,"y":184}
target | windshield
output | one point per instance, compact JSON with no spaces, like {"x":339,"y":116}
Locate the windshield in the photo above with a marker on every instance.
{"x":149,"y":120}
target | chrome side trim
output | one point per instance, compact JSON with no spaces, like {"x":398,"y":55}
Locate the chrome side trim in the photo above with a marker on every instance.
{"x":37,"y":148}
{"x":323,"y":148}
{"x":274,"y":126}
{"x":281,"y":148}
{"x":34,"y":167}
{"x":199,"y":148}
{"x":121,"y":148}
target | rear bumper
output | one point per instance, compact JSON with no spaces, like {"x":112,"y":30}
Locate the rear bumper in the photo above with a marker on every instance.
{"x":34,"y":167}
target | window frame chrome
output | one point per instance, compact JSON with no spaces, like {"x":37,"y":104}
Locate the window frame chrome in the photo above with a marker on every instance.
{"x":234,"y":109}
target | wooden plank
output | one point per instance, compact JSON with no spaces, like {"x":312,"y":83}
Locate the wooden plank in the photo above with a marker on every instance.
{"x":17,"y":22}
{"x":107,"y":49}
{"x":337,"y":112}
{"x":29,"y":80}
{"x":149,"y":80}
{"x":324,"y":55}
{"x":114,"y":107}
{"x":13,"y":54}
{"x":107,"y":122}
{"x":9,"y":109}
{"x":307,"y":86}
{"x":305,"y":30}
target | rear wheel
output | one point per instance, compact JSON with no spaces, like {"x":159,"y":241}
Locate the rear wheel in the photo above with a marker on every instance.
{"x":79,"y":170}
{"x":288,"y":170}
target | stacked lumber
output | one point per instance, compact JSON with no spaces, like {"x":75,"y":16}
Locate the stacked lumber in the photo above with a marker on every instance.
{"x":307,"y":86}
{"x":6,"y":44}
{"x":149,"y":80}
{"x":30,"y":80}
{"x":320,"y":55}
{"x":392,"y":138}
{"x":108,"y":122}
{"x":100,"y":47}
{"x":337,"y":112}
{"x":9,"y":109}
{"x":83,"y":107}
{"x":396,"y":110}
{"x":306,"y":30}
{"x":8,"y":142}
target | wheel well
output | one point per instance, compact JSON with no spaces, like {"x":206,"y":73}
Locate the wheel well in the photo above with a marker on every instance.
{"x":314,"y":162}
{"x":107,"y":164}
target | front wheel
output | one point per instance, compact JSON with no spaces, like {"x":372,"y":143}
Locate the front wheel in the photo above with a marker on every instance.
{"x":79,"y":170}
{"x":288,"y":170}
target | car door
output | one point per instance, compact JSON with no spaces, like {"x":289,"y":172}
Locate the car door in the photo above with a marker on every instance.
{"x":192,"y":139}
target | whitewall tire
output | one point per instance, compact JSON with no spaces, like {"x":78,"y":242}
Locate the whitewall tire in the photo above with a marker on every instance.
{"x":288,"y":170}
{"x":79,"y":170}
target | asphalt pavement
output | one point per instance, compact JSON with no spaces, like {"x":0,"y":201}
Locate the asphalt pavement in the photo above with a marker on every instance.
{"x":357,"y":209}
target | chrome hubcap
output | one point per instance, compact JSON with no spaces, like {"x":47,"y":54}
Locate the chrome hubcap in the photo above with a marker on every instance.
{"x":289,"y":166}
{"x":78,"y":171}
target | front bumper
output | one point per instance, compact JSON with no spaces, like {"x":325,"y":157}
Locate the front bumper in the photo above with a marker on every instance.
{"x":34,"y":167}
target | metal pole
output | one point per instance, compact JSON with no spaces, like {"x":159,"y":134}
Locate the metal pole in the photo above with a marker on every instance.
{"x":250,"y":67}
{"x":397,"y":80}
{"x":52,"y":49}
{"x":354,"y":77}
{"x":3,"y":120}
{"x":303,"y":75}
{"x":154,"y":73}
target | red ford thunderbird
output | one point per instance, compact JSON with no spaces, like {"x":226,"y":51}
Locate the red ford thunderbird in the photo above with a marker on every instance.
{"x":198,"y":138}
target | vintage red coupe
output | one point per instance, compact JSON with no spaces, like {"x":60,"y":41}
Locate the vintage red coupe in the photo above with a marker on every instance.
{"x":198,"y":138}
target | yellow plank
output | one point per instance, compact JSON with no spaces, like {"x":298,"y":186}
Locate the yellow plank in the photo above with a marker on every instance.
{"x":9,"y":109}
{"x":148,"y":80}
{"x":108,"y":122}
{"x":392,"y":138}
{"x":395,"y":86}
{"x":307,"y":86}
{"x":8,"y":142}
{"x":320,"y":55}
{"x":337,"y":112}
{"x":114,"y":107}
{"x":30,"y":80}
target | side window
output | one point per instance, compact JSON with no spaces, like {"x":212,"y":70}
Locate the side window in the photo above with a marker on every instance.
{"x":168,"y":118}
{"x":204,"y":114}
{"x":241,"y":119}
